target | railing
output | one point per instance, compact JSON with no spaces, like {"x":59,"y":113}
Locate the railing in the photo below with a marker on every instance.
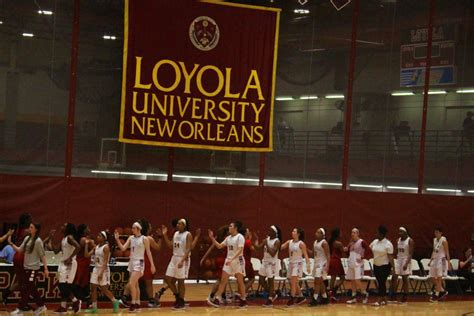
{"x":375,"y":144}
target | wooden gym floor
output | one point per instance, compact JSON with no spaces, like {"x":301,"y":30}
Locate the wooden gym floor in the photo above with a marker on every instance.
{"x":196,"y":295}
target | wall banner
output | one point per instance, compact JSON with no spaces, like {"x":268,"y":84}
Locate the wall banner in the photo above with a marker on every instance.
{"x":199,"y":74}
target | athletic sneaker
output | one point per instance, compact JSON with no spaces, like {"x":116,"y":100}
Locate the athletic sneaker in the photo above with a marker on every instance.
{"x":434,"y":298}
{"x":115,"y":306}
{"x":353,"y":300}
{"x":268,"y":303}
{"x":300,"y":300}
{"x":132,"y":308}
{"x":243,"y":303}
{"x":92,"y":310}
{"x":179,"y":305}
{"x":123,"y":302}
{"x":152,"y":304}
{"x":17,"y":311}
{"x":41,"y":309}
{"x":443,"y":295}
{"x":76,"y":306}
{"x":214,"y":302}
{"x":60,"y":310}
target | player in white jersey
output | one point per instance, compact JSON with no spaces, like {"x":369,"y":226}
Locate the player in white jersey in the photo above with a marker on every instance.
{"x":234,"y":263}
{"x":138,"y":244}
{"x":320,"y":269}
{"x":178,"y":268}
{"x":404,"y":253}
{"x":358,"y":250}
{"x":174,"y":224}
{"x":439,"y":264}
{"x":270,"y":264}
{"x":100,"y":276}
{"x":297,"y":250}
{"x":67,"y":267}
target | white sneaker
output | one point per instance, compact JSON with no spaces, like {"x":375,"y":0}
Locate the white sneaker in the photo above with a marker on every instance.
{"x":16,"y":312}
{"x":40,"y":310}
{"x":352,"y":301}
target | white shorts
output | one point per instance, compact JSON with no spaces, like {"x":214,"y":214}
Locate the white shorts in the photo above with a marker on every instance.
{"x":439,"y":268}
{"x":105,"y":280}
{"x":295,"y":269}
{"x":178,"y":273}
{"x":269,"y":269}
{"x":355,"y":273}
{"x":136,"y":265}
{"x":399,"y":263}
{"x":236,"y":266}
{"x":67,"y":273}
{"x":320,"y":270}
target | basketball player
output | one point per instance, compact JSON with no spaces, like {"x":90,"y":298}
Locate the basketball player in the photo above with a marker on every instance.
{"x":404,"y":253}
{"x":297,"y":249}
{"x":81,"y":282}
{"x":33,"y":250}
{"x":100,"y":276}
{"x":197,"y":234}
{"x":136,"y":266}
{"x":320,"y":270}
{"x":147,"y":277}
{"x":270,"y":263}
{"x":439,"y":264}
{"x":234,"y":264}
{"x":24,"y":222}
{"x":67,"y":267}
{"x":178,"y":268}
{"x":358,"y":251}
{"x":335,"y":265}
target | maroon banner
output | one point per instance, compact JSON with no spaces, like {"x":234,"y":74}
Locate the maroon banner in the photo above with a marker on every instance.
{"x":199,"y":74}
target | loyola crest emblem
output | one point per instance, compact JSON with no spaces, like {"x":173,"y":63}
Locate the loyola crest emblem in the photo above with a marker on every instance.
{"x":204,"y":33}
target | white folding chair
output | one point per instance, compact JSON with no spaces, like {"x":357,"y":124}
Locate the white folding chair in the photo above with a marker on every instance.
{"x":256,"y":264}
{"x":418,"y":278}
{"x":368,"y":273}
{"x":282,"y":279}
{"x":452,"y":277}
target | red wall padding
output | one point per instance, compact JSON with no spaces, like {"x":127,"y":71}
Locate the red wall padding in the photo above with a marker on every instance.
{"x":107,"y":203}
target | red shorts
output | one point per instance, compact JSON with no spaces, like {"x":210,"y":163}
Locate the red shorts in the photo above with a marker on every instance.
{"x":18,"y":261}
{"x":147,"y":275}
{"x":335,"y":267}
{"x":249,"y":272}
{"x":219,"y":266}
{"x":83,"y":272}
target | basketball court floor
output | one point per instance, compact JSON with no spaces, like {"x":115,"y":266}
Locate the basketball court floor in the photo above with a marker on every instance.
{"x":196,"y":296}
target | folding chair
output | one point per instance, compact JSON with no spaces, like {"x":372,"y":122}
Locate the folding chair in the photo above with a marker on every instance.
{"x":418,"y":278}
{"x":282,"y":279}
{"x":368,"y":274}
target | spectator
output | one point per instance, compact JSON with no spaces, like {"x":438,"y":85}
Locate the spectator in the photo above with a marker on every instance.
{"x":6,"y":254}
{"x":468,"y":129}
{"x":465,"y":269}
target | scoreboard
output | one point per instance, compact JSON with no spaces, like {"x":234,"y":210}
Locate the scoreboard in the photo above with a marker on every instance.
{"x":413,"y":56}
